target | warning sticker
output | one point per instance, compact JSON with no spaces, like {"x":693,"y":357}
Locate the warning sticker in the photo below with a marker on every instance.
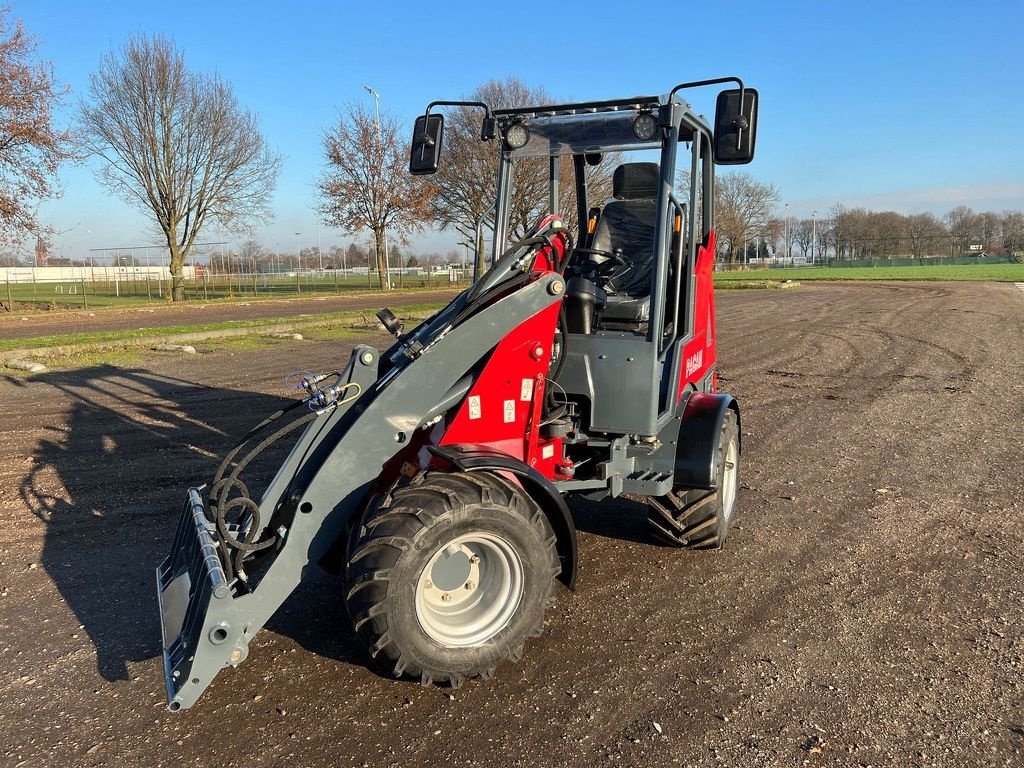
{"x":510,"y":411}
{"x":547,"y":451}
{"x":526,"y":391}
{"x":474,"y":406}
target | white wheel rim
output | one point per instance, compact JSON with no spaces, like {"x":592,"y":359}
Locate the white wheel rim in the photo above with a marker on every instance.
{"x":729,"y":478}
{"x":469,"y":590}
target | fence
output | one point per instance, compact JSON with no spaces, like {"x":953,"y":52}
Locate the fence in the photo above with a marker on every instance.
{"x":105,"y":286}
{"x":799,"y":262}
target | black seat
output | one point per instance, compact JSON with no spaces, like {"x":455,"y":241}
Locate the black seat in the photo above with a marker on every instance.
{"x":626,"y":227}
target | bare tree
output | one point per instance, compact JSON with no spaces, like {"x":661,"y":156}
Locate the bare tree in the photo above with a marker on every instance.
{"x":927,"y":234}
{"x":250,"y":254}
{"x":1012,"y":225}
{"x":31,"y":147}
{"x":962,"y":222}
{"x":989,"y":229}
{"x":743,"y":209}
{"x":335,"y":257}
{"x":801,"y":233}
{"x":367,"y":184}
{"x":466,"y":182}
{"x":177,"y":145}
{"x":356,"y":255}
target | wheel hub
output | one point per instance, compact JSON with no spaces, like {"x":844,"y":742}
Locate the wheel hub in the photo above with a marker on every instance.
{"x":729,"y":479}
{"x":469,"y":590}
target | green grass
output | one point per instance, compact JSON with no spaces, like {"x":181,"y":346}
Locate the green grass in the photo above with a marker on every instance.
{"x":101,"y":295}
{"x":132,"y":356}
{"x":999,"y":272}
{"x":123,"y":336}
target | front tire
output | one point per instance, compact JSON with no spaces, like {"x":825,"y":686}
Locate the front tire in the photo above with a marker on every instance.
{"x":450,"y":576}
{"x":697,"y":519}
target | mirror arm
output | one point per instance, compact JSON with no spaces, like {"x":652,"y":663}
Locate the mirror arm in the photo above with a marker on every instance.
{"x":487,"y":130}
{"x":717,"y":81}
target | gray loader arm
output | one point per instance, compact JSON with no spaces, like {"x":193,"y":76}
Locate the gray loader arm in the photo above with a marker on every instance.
{"x":208,"y":623}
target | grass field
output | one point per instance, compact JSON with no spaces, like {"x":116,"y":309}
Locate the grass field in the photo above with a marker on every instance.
{"x":127,"y":336}
{"x":999,"y":272}
{"x":136,"y":293}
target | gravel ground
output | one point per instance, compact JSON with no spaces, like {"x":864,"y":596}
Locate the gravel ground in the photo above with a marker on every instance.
{"x":867,"y":610}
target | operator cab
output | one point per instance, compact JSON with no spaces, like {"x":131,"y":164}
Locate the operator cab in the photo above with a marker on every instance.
{"x":631,"y":276}
{"x":609,"y":279}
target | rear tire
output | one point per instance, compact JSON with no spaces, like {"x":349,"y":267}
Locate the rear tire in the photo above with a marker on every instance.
{"x":697,"y":519}
{"x":451,"y":575}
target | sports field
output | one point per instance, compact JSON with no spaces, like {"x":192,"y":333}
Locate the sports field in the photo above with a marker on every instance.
{"x":1001,"y":272}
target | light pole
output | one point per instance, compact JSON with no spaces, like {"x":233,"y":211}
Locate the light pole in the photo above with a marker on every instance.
{"x":789,"y":250}
{"x":319,"y":250}
{"x":814,"y":233}
{"x":380,"y":155}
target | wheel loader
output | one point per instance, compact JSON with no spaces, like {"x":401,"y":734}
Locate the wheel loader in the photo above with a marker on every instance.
{"x":432,"y":476}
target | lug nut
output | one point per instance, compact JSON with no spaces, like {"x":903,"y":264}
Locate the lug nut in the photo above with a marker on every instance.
{"x":474,"y":559}
{"x":428,"y":584}
{"x":446,"y":598}
{"x":470,"y":585}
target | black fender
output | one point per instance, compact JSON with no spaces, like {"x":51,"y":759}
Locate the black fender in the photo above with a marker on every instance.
{"x":699,"y":427}
{"x":476,"y":458}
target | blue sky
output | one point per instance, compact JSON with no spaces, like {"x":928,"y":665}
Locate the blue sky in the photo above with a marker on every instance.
{"x":908,"y":106}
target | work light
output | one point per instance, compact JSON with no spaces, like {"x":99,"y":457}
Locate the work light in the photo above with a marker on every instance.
{"x":645,"y":126}
{"x":517,"y":136}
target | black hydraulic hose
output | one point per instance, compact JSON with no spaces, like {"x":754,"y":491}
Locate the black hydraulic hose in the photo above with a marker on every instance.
{"x":232,"y":479}
{"x":551,"y":406}
{"x":248,"y":436}
{"x":221,"y":505}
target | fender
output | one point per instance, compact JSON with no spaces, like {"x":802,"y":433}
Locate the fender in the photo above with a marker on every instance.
{"x":699,"y":427}
{"x":475,"y":458}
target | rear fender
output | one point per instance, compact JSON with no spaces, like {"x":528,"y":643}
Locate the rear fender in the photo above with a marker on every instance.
{"x":480,"y":458}
{"x":700,"y":424}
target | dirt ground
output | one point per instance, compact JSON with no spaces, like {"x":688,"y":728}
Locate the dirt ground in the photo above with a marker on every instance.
{"x":24,"y":325}
{"x":867,"y":610}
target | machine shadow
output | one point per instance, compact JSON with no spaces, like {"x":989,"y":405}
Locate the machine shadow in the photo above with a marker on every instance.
{"x":623,"y":518}
{"x":109,"y":480}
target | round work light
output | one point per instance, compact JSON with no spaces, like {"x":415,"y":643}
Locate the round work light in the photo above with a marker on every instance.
{"x":517,"y":136}
{"x":645,"y":126}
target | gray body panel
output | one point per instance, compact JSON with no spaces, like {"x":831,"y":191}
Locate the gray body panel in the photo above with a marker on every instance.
{"x":619,"y":374}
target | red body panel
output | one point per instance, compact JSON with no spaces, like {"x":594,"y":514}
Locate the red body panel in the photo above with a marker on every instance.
{"x":503,"y":409}
{"x":700,"y":355}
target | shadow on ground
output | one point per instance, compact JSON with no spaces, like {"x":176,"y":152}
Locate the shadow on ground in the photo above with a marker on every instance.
{"x":109,"y":479}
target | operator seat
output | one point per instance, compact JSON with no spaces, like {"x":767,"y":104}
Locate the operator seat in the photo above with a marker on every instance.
{"x":626,"y":227}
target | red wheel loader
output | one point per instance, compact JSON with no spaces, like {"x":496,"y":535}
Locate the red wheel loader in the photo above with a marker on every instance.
{"x":432,"y":476}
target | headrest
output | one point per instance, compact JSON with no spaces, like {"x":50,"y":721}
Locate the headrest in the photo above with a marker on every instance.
{"x":635,"y":181}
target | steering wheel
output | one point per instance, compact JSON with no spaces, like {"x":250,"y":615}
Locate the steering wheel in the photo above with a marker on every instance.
{"x":601,"y":263}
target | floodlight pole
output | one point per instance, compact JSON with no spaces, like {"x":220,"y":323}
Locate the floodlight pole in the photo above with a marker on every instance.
{"x":814,"y":233}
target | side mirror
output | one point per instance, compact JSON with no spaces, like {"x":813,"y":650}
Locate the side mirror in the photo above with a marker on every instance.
{"x":426,"y":144}
{"x":735,"y":127}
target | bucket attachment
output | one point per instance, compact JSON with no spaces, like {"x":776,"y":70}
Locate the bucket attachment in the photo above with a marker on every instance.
{"x":189,"y":582}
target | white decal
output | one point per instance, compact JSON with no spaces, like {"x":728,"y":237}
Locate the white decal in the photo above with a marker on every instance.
{"x":474,"y":406}
{"x":526,"y":391}
{"x":547,"y":451}
{"x":510,"y":411}
{"x":694,"y":362}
